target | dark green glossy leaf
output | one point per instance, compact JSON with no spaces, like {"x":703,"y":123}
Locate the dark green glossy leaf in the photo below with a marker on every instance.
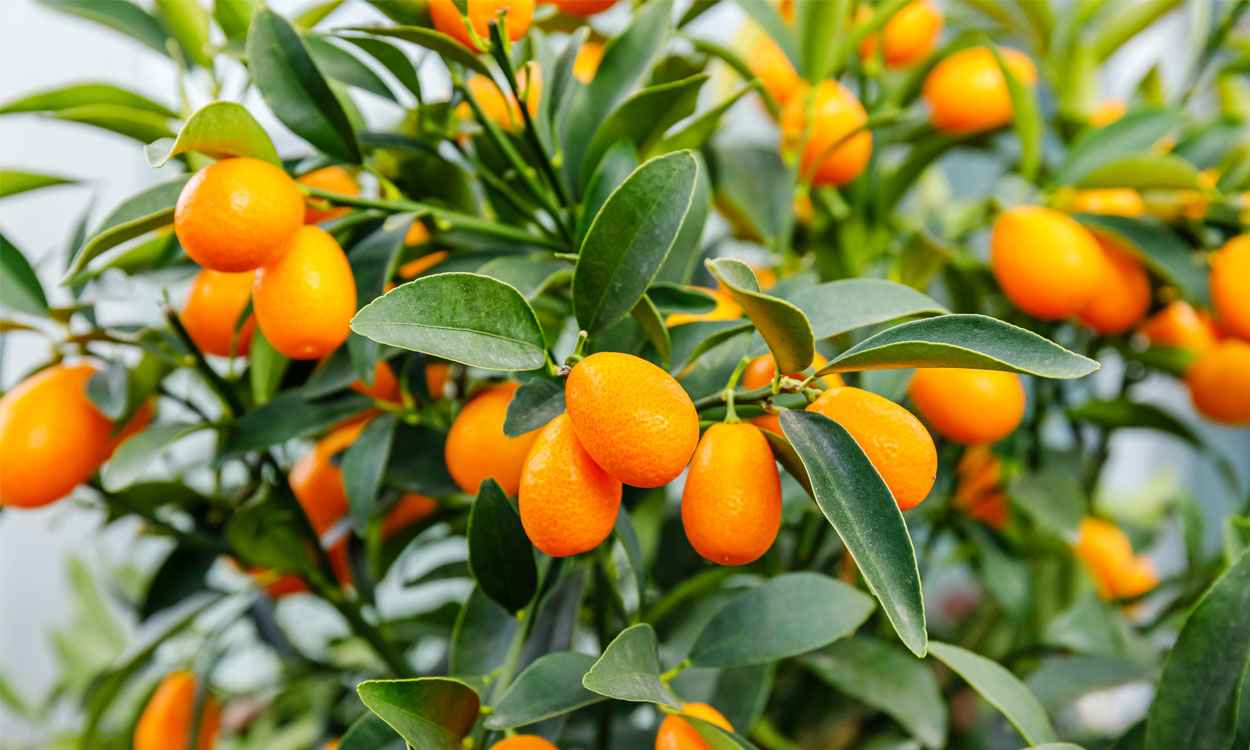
{"x":551,"y":686}
{"x":617,"y":163}
{"x":695,"y":134}
{"x":20,"y":289}
{"x":431,"y":713}
{"x":142,"y":213}
{"x":501,"y":558}
{"x":888,"y":679}
{"x":1122,"y":413}
{"x":344,"y":67}
{"x":675,"y":298}
{"x":783,"y":325}
{"x":629,"y":239}
{"x":1159,"y":247}
{"x":288,"y":416}
{"x":840,"y":306}
{"x":179,"y":577}
{"x":649,"y":319}
{"x":684,"y":256}
{"x":294,"y":88}
{"x":974,"y":341}
{"x":755,"y":186}
{"x":482,"y":634}
{"x":417,"y":463}
{"x":534,"y":404}
{"x":1001,"y":688}
{"x":462,"y":317}
{"x":369,"y":732}
{"x":219,"y":130}
{"x":446,"y":47}
{"x":363,"y":463}
{"x":858,"y":504}
{"x":119,"y":15}
{"x":1197,"y":702}
{"x":1053,"y":498}
{"x":138,"y":452}
{"x":629,"y":669}
{"x":265,"y":532}
{"x":1135,"y":132}
{"x":789,"y":460}
{"x":717,"y":738}
{"x":84,"y":93}
{"x":818,"y":610}
{"x":392,"y":58}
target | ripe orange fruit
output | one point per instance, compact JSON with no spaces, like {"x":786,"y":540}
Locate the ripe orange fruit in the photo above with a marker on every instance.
{"x":385,"y":387}
{"x":568,"y":502}
{"x":415,"y":268}
{"x":836,"y":113}
{"x":582,"y":7}
{"x":447,"y":19}
{"x":412,"y":508}
{"x":304,"y":301}
{"x":727,"y":308}
{"x":52,"y":438}
{"x":1181,"y":326}
{"x":1106,"y":113}
{"x":1230,"y":285}
{"x":979,"y":489}
{"x":676,"y":733}
{"x":731,"y":504}
{"x":436,"y":379}
{"x":910,"y":34}
{"x":476,"y":447}
{"x":1123,"y":295}
{"x":968,"y":406}
{"x":500,"y":107}
{"x":1107,"y":553}
{"x":1046,"y":263}
{"x":523,"y":742}
{"x":417,"y":235}
{"x":967,"y":93}
{"x":1109,"y":201}
{"x":587,"y":61}
{"x":633,"y":418}
{"x":1219,"y":382}
{"x":166,"y":720}
{"x":893,"y":439}
{"x":775,"y":71}
{"x":211,"y":312}
{"x":335,"y":179}
{"x":237,"y":214}
{"x":318,"y":482}
{"x":759,"y":373}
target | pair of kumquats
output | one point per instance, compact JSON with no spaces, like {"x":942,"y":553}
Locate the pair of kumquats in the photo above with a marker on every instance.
{"x":675,"y":733}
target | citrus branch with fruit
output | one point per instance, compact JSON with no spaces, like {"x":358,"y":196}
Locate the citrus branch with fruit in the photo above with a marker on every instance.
{"x":697,"y":375}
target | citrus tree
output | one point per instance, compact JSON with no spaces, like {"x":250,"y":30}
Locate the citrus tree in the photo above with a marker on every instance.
{"x":557,"y":413}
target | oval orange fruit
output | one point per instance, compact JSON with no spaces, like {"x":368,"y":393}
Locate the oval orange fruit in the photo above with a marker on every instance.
{"x":759,"y":373}
{"x":317,"y":481}
{"x":831,"y":155}
{"x":1219,"y":382}
{"x":1107,"y":553}
{"x":167,"y":718}
{"x":476,"y":447}
{"x":305,"y":300}
{"x":775,"y":71}
{"x":731,"y":504}
{"x":412,"y":508}
{"x":633,"y":418}
{"x":1180,"y":325}
{"x":675,"y":733}
{"x":211,"y":312}
{"x":1108,"y":201}
{"x":385,"y":386}
{"x":523,"y":742}
{"x":1230,"y":285}
{"x":968,"y":406}
{"x":967,"y":92}
{"x":447,"y":19}
{"x":336,"y":180}
{"x":1047,"y":264}
{"x":910,"y":34}
{"x":1123,"y":295}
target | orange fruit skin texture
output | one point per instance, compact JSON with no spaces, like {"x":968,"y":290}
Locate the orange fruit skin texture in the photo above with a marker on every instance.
{"x":727,"y":308}
{"x":910,"y":35}
{"x":1123,"y":296}
{"x":759,"y":373}
{"x":893,"y":439}
{"x":587,"y":61}
{"x":568,"y":502}
{"x":836,"y":113}
{"x":1180,"y":325}
{"x":731,"y":504}
{"x":385,"y":386}
{"x":676,"y":733}
{"x":166,"y":720}
{"x":51,"y":437}
{"x":212,"y":309}
{"x":633,"y":418}
{"x":1219,"y":382}
{"x":523,"y":742}
{"x":334,"y":179}
{"x":1107,"y":553}
{"x":775,"y":71}
{"x":1047,"y":264}
{"x":477,"y":449}
{"x":412,"y":508}
{"x":1230,"y":285}
{"x":237,"y":214}
{"x":447,"y":19}
{"x":582,"y":7}
{"x":968,"y":406}
{"x":1108,"y":201}
{"x":304,"y":301}
{"x":318,"y":483}
{"x":967,"y":92}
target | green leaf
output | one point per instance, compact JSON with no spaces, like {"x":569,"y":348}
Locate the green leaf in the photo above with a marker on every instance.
{"x":783,"y":325}
{"x":1144,"y":171}
{"x":138,"y":452}
{"x":648,"y":318}
{"x":1117,"y":28}
{"x":501,"y":558}
{"x":629,"y":669}
{"x":820,"y":28}
{"x":20,"y":289}
{"x":858,"y":504}
{"x":550,"y":687}
{"x":294,"y":88}
{"x":344,"y":67}
{"x":1026,"y":118}
{"x":84,"y":93}
{"x":180,"y":577}
{"x":429,"y":712}
{"x":840,"y":306}
{"x":369,"y":732}
{"x":888,"y":679}
{"x":718,"y":738}
{"x":444,"y":46}
{"x":481,"y":636}
{"x":288,"y":416}
{"x":642,"y":119}
{"x":141,"y":213}
{"x":363,"y":464}
{"x":190,"y":24}
{"x":1159,"y":247}
{"x":695,"y":134}
{"x":530,"y":277}
{"x":1062,"y":681}
{"x":218,"y":129}
{"x":1133,"y":133}
{"x":1122,"y":413}
{"x":119,"y":15}
{"x":265,"y":532}
{"x":818,"y":610}
{"x":234,"y":16}
{"x":675,"y":298}
{"x":13,"y":182}
{"x":392,"y":58}
{"x":629,"y":239}
{"x":616,"y":164}
{"x":754,"y":184}
{"x":266,"y":368}
{"x":1001,"y":688}
{"x":537,"y":402}
{"x":789,"y":459}
{"x":1053,"y":498}
{"x":140,"y":124}
{"x":974,"y":341}
{"x":462,"y":317}
{"x":1197,"y":702}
